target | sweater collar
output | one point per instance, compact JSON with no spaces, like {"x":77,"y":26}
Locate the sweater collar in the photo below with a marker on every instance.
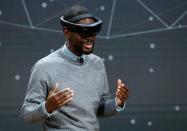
{"x":70,"y":55}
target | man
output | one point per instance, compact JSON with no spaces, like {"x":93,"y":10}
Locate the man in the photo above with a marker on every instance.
{"x":68,"y":89}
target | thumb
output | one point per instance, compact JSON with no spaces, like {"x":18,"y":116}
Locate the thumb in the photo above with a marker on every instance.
{"x":119,"y":82}
{"x":54,"y":89}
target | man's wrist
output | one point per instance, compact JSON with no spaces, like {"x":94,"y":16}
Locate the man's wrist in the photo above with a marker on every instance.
{"x":44,"y":109}
{"x":119,"y":107}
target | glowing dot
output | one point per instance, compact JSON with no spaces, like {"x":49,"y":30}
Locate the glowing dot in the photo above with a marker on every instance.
{"x":177,"y":108}
{"x":151,"y":70}
{"x":17,"y":77}
{"x":0,"y":43}
{"x":102,"y":8}
{"x":152,"y":46}
{"x":51,"y":0}
{"x":149,"y":123}
{"x":44,"y":5}
{"x":0,"y":12}
{"x":133,"y":121}
{"x":52,"y":50}
{"x":180,"y":26}
{"x":151,"y":18}
{"x":110,"y":57}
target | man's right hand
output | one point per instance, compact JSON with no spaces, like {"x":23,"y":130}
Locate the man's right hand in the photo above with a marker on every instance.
{"x":58,"y":98}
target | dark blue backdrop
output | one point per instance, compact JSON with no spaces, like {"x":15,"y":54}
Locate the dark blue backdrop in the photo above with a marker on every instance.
{"x":144,"y":42}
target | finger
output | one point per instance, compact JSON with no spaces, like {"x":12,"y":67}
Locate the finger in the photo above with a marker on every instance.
{"x":64,"y":99}
{"x":122,"y":97}
{"x":119,"y":82}
{"x":118,"y":93}
{"x":64,"y":95}
{"x":64,"y":92}
{"x":122,"y":89}
{"x":66,"y":102}
{"x":123,"y":86}
{"x":122,"y":92}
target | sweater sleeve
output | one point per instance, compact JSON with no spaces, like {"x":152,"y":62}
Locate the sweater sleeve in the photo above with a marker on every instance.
{"x":107,"y":105}
{"x":33,"y":108}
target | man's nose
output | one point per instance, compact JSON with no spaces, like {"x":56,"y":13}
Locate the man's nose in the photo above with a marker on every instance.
{"x":91,"y":38}
{"x":88,"y":40}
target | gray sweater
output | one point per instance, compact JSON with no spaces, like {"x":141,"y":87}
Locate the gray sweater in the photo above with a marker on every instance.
{"x":91,"y":93}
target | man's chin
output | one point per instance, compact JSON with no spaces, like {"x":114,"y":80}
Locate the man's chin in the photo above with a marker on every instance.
{"x":87,"y":52}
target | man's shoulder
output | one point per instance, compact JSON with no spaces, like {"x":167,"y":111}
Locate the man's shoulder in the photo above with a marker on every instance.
{"x":49,"y":59}
{"x":95,"y":57}
{"x":95,"y":60}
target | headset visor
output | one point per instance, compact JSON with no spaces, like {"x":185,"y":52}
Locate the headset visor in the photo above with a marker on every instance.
{"x":85,"y":29}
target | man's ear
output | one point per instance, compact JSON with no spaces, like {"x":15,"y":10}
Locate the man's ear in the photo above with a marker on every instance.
{"x":66,"y":32}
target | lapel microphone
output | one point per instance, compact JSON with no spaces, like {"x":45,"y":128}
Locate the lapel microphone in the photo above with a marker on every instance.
{"x":80,"y":60}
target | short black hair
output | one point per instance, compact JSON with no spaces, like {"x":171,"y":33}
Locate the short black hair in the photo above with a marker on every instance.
{"x":75,"y":11}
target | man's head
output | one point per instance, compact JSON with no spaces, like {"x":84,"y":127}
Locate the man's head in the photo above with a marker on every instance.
{"x":80,"y":28}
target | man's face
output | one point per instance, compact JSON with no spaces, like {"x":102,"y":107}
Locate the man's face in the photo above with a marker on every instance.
{"x":79,"y":43}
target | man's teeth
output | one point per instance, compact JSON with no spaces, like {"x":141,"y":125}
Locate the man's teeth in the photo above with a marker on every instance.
{"x":88,"y":45}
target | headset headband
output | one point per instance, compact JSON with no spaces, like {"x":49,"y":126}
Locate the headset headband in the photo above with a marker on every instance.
{"x":79,"y":17}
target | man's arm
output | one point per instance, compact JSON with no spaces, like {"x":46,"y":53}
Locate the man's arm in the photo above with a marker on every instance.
{"x":39,"y":102}
{"x":33,"y":106}
{"x":108,"y":106}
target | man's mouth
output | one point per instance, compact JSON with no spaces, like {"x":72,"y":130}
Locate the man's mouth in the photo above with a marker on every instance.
{"x":88,"y":45}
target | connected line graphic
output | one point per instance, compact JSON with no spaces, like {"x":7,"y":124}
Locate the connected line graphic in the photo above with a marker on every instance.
{"x":143,"y":5}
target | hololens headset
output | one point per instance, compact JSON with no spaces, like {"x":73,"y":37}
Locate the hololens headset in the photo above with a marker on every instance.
{"x":85,"y":29}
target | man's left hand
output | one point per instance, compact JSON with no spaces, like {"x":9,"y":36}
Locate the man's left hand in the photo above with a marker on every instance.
{"x":121,"y":93}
